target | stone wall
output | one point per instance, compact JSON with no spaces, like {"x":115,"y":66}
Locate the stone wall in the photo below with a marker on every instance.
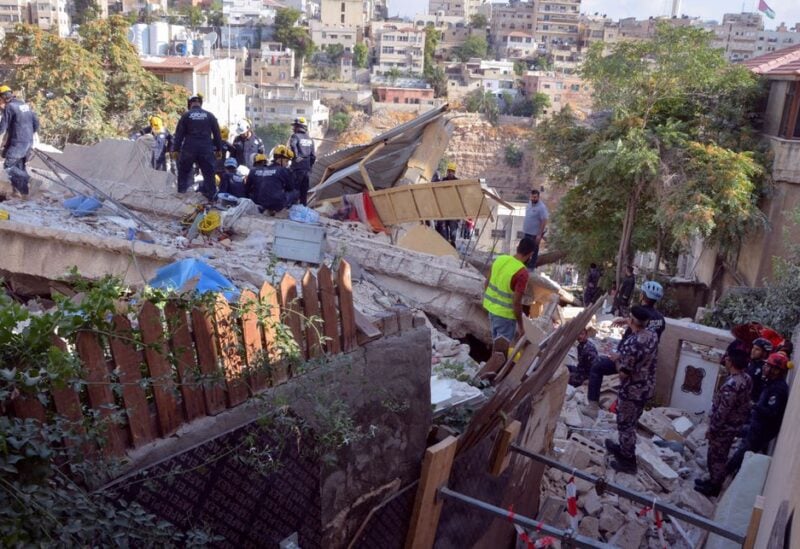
{"x":256,"y":480}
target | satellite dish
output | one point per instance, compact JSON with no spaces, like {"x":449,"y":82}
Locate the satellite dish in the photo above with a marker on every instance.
{"x":211,"y":37}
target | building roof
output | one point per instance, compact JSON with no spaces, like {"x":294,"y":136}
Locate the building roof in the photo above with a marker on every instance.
{"x":174,"y":63}
{"x":785,"y":62}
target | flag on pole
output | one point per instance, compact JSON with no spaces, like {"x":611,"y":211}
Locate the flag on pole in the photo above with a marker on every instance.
{"x":765,"y":9}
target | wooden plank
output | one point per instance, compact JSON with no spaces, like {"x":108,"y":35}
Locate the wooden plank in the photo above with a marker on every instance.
{"x":311,"y":308}
{"x":777,"y":536}
{"x":98,"y":388}
{"x":232,"y":360}
{"x":180,"y":342}
{"x":436,"y":467}
{"x":27,"y":406}
{"x":344,"y":287}
{"x":155,"y":353}
{"x":252,"y":339}
{"x":128,"y":363}
{"x":67,"y":403}
{"x":290,"y":308}
{"x":755,"y":520}
{"x":203,"y":330}
{"x":330,"y":317}
{"x":489,"y":370}
{"x":500,"y":458}
{"x":365,"y":326}
{"x":272,"y":318}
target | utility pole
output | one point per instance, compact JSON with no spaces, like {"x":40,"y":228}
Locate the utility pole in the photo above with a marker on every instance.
{"x":676,"y":8}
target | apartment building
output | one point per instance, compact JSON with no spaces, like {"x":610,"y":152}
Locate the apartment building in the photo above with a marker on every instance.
{"x":463,"y":9}
{"x":281,"y":105}
{"x":738,"y":34}
{"x":50,"y":15}
{"x":519,"y":45}
{"x":272,"y":64}
{"x":497,"y":77}
{"x":551,"y":23}
{"x":561,"y":88}
{"x":349,"y":13}
{"x":778,"y":39}
{"x":242,"y":12}
{"x":398,"y":46}
{"x":325,"y":35}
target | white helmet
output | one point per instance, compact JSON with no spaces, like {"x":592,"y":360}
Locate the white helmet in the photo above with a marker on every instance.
{"x":242,"y":126}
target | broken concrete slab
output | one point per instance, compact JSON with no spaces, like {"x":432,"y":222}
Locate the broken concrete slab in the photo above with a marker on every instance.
{"x":591,"y":503}
{"x":630,"y":535}
{"x":611,"y":519}
{"x":658,"y":424}
{"x":682,"y":425}
{"x":693,"y":500}
{"x":595,"y":451}
{"x":423,"y":239}
{"x":650,"y":461}
{"x":589,"y":527}
{"x":571,"y":416}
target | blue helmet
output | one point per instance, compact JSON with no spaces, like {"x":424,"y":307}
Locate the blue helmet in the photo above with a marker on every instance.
{"x":653,"y":290}
{"x":231,"y":163}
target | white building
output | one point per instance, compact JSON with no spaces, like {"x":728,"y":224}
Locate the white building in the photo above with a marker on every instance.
{"x":281,"y":105}
{"x":325,"y":35}
{"x":398,"y":46}
{"x":519,"y":45}
{"x":242,"y":12}
{"x":778,"y":39}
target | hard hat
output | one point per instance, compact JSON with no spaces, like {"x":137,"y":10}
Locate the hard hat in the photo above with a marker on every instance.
{"x":653,"y":290}
{"x":300,"y":121}
{"x":4,"y":89}
{"x":451,"y":166}
{"x":772,"y":336}
{"x":156,"y":122}
{"x":260,"y":157}
{"x":224,"y":132}
{"x":778,"y":360}
{"x":283,"y":151}
{"x":242,"y":126}
{"x":231,"y":163}
{"x":765,"y":344}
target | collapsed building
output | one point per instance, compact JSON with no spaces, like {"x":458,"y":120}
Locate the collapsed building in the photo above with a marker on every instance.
{"x":399,"y":363}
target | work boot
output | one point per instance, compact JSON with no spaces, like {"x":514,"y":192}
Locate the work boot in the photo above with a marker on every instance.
{"x":592,"y":409}
{"x":623,"y":465}
{"x":612,"y":447}
{"x":709,"y":490}
{"x":702,"y":481}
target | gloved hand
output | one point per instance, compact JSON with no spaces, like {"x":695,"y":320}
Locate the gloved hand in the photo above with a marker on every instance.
{"x":174,"y":155}
{"x":36,"y":141}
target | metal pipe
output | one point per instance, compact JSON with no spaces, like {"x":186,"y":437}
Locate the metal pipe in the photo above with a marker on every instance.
{"x":575,"y":539}
{"x":666,"y":508}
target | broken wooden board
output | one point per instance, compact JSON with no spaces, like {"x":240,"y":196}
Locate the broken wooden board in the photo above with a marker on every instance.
{"x":459,"y":199}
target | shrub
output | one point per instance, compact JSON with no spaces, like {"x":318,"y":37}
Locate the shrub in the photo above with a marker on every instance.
{"x":514,"y":155}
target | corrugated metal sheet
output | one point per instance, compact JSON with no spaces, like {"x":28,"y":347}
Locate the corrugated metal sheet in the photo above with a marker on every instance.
{"x":334,"y":174}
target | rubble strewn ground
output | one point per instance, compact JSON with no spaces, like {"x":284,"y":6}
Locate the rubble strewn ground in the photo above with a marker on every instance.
{"x":671,"y":453}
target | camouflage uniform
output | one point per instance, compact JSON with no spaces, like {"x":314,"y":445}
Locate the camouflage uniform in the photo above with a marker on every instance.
{"x":636,"y":360}
{"x":587,"y":355}
{"x":729,"y":413}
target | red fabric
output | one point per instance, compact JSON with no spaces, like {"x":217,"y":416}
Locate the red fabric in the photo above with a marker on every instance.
{"x":774,"y":337}
{"x":519,"y":282}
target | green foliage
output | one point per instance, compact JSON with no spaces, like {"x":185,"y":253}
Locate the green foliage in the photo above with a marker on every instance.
{"x":215,"y":16}
{"x":335,"y":52}
{"x":483,"y":102}
{"x":520,"y":67}
{"x":514,"y":155}
{"x":339,"y":122}
{"x":274,"y":134}
{"x":531,"y":107}
{"x":85,"y":11}
{"x":292,"y":36}
{"x":478,"y":21}
{"x":393,"y":74}
{"x":360,"y":55}
{"x":193,"y":16}
{"x":432,"y":37}
{"x":473,"y":46}
{"x":673,"y":128}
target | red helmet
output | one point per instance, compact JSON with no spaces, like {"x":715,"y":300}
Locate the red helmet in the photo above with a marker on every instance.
{"x":778,"y":360}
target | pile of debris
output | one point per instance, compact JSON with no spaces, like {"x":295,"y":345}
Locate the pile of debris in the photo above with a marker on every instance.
{"x":671,"y":452}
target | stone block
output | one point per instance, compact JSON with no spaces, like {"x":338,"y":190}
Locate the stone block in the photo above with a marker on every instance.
{"x":591,"y":503}
{"x":682,"y":425}
{"x":644,"y":478}
{"x":405,"y":320}
{"x":697,"y":438}
{"x":658,"y":424}
{"x":662,"y":473}
{"x":630,"y":536}
{"x":691,"y":499}
{"x":595,"y":451}
{"x":571,"y":416}
{"x":611,"y":519}
{"x":589,"y":527}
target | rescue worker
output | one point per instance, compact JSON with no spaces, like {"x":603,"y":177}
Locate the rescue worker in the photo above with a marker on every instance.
{"x":535,"y":223}
{"x":232,"y":182}
{"x":759,"y":352}
{"x":504,"y":289}
{"x":197,"y":138}
{"x":591,"y":288}
{"x":636,"y":366}
{"x":729,"y":413}
{"x":448,"y":228}
{"x":272,"y":187}
{"x":766,"y":415}
{"x":226,"y":152}
{"x":247,"y":145}
{"x":162,"y":143}
{"x":623,"y":298}
{"x":652,"y":292}
{"x":19,"y":124}
{"x":302,"y":146}
{"x":587,"y":356}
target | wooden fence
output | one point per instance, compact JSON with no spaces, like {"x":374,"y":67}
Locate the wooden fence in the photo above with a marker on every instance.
{"x":184,"y":362}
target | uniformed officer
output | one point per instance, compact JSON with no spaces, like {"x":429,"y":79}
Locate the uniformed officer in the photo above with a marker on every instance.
{"x":197,"y":138}
{"x":19,"y":123}
{"x":635,"y":363}
{"x":232,"y":182}
{"x":162,"y":143}
{"x":729,"y":412}
{"x":302,"y":145}
{"x":226,"y":152}
{"x":272,"y":187}
{"x":587,"y":356}
{"x":755,"y":368}
{"x":247,"y":145}
{"x":767,"y":414}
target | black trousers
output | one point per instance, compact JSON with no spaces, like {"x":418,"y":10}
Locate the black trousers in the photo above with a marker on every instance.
{"x":205,"y":161}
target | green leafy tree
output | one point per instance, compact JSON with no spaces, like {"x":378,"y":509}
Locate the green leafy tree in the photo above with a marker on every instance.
{"x":216,"y":18}
{"x":532,"y":106}
{"x":514,"y":155}
{"x":432,"y":37}
{"x":483,"y":102}
{"x":438,"y":81}
{"x":393,"y":74}
{"x":339,"y":122}
{"x":335,"y":52}
{"x":360,"y":54}
{"x":86,"y":11}
{"x":292,"y":36}
{"x":274,"y":134}
{"x":520,"y":67}
{"x":478,"y":21}
{"x":473,"y":46}
{"x":676,"y":132}
{"x":193,"y":15}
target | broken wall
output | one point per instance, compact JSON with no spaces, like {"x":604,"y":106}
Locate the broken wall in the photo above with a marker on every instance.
{"x":256,"y":482}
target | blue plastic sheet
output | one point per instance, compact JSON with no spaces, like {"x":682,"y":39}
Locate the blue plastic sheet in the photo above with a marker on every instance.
{"x":175,"y":275}
{"x":81,"y":205}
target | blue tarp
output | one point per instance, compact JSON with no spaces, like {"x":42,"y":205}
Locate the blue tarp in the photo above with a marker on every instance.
{"x":175,"y":275}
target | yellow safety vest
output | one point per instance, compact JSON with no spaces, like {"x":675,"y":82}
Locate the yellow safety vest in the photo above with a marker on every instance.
{"x":499,"y":296}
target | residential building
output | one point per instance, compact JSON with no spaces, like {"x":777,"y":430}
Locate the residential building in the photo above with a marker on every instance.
{"x":325,"y":35}
{"x":13,"y":12}
{"x":349,"y":13}
{"x":403,"y":95}
{"x":281,"y":105}
{"x":561,"y":88}
{"x":519,"y":45}
{"x":551,"y":23}
{"x":596,"y":28}
{"x":454,"y":36}
{"x":135,"y":6}
{"x":398,"y":46}
{"x":497,"y":77}
{"x":272,"y":64}
{"x":215,"y":79}
{"x":51,"y":15}
{"x":778,"y":39}
{"x":463,"y":9}
{"x":738,"y":34}
{"x":243,"y":12}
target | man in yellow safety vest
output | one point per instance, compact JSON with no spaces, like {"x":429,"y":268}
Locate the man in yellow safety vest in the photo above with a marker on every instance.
{"x":504,"y":290}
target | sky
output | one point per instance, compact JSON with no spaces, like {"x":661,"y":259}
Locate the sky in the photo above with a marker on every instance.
{"x":787,"y":11}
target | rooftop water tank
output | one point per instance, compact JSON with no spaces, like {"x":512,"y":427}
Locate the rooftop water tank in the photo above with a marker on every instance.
{"x":159,"y":38}
{"x":139,"y":36}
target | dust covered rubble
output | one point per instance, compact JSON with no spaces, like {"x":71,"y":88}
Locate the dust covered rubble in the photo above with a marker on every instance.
{"x":668,"y":460}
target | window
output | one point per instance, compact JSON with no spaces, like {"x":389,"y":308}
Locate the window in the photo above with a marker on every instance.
{"x":342,"y":7}
{"x":575,"y":87}
{"x":342,"y":18}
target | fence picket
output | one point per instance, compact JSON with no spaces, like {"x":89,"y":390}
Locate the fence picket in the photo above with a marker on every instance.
{"x":269,"y":299}
{"x":291,"y":310}
{"x":252,"y":340}
{"x":330,"y":316}
{"x":207,"y":361}
{"x":232,"y":361}
{"x":185,"y":362}
{"x":311,"y":310}
{"x":344,"y":288}
{"x":155,"y":352}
